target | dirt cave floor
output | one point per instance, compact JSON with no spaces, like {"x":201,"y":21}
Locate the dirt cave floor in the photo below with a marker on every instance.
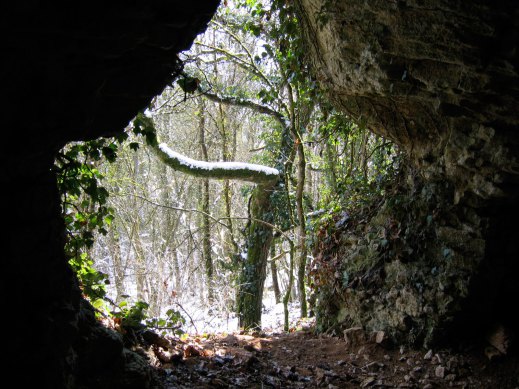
{"x":301,"y":359}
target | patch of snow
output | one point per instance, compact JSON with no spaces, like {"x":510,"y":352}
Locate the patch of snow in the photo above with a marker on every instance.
{"x":206,"y":321}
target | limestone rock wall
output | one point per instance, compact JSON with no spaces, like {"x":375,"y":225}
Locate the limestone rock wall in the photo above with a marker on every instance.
{"x":438,"y":77}
{"x":441,"y":79}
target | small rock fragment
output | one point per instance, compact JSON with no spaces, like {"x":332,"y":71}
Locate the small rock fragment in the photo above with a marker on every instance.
{"x":354,"y":336}
{"x":380,"y":338}
{"x":428,"y":355}
{"x":450,"y":377}
{"x":367,"y":382}
{"x":440,"y":371}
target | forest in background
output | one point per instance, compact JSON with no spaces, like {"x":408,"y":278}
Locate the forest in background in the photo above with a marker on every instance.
{"x":147,"y":241}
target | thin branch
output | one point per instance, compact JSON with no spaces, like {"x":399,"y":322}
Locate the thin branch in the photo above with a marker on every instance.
{"x":249,"y":54}
{"x":188,"y":315}
{"x":241,"y":102}
{"x":247,"y":66}
{"x":285,"y":252}
{"x":183,"y":210}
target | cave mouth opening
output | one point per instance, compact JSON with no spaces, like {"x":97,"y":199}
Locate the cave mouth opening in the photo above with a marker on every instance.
{"x":170,"y":202}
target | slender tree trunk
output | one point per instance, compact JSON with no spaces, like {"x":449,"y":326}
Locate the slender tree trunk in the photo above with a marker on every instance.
{"x":301,"y":265}
{"x":169,"y":233}
{"x":206,"y":223}
{"x":140,"y":263}
{"x":139,"y":260}
{"x":176,"y":270}
{"x":351,"y":140}
{"x":229,"y":244}
{"x":119,"y":271}
{"x":206,"y":241}
{"x":364,"y":153}
{"x":274,"y":271}
{"x":288,"y":292}
{"x":331,"y":173}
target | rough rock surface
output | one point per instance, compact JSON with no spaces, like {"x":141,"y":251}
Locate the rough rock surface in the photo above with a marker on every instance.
{"x":70,"y":71}
{"x":441,"y":79}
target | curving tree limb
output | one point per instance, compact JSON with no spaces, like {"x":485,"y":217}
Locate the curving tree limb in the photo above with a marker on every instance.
{"x":250,"y":172}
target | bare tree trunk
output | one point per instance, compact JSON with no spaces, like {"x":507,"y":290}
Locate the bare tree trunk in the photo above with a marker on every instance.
{"x":206,"y":223}
{"x":119,"y":271}
{"x":168,"y":248}
{"x":230,"y":246}
{"x":331,"y":173}
{"x":140,"y":260}
{"x":301,"y":263}
{"x":364,"y":153}
{"x":140,"y":263}
{"x":176,"y":270}
{"x":274,"y":271}
{"x":288,"y":292}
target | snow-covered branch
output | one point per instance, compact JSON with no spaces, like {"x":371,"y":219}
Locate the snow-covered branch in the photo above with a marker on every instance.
{"x":258,"y":174}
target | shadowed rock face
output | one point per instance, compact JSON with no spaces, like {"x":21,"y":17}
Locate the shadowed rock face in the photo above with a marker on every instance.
{"x":441,"y":79}
{"x":71,"y":71}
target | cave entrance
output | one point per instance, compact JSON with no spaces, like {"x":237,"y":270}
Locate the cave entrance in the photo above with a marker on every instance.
{"x":155,"y":240}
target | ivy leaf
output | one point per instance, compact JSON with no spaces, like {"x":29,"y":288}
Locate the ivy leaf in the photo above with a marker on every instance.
{"x":109,"y":152}
{"x":120,"y":138}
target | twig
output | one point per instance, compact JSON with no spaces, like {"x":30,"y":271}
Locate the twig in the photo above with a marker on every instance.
{"x":188,"y":315}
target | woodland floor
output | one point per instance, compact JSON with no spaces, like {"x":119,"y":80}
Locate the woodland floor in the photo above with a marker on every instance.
{"x":302,"y":359}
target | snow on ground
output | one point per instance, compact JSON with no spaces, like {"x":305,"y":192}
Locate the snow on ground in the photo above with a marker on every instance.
{"x":201,"y":320}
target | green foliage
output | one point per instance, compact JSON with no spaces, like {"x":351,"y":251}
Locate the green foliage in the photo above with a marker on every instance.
{"x":281,"y":207}
{"x":86,"y":213}
{"x":84,"y":201}
{"x":357,"y":164}
{"x":84,"y":207}
{"x":135,"y":317}
{"x":143,"y":125}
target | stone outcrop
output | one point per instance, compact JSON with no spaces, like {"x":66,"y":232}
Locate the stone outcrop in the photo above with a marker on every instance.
{"x":71,"y":71}
{"x":441,"y":79}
